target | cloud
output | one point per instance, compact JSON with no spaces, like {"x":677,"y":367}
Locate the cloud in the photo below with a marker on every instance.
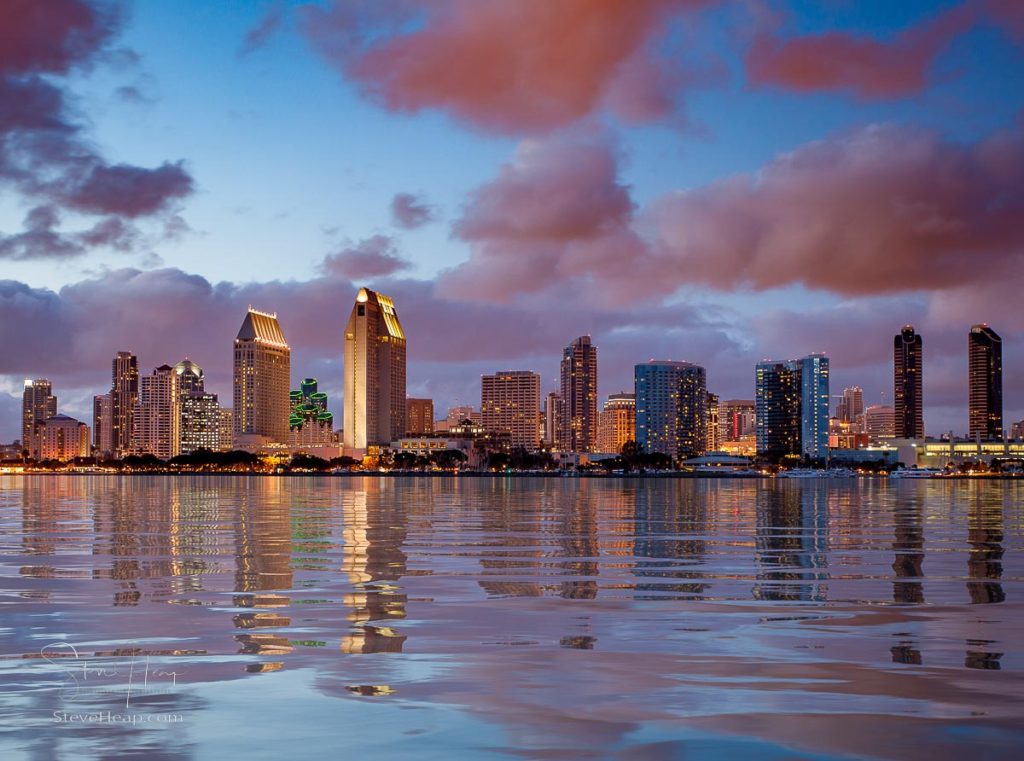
{"x":410,"y":212}
{"x":555,"y":212}
{"x":370,"y":258}
{"x":508,"y":67}
{"x":264,"y":29}
{"x":47,"y":159}
{"x":1009,"y":14}
{"x":866,"y":67}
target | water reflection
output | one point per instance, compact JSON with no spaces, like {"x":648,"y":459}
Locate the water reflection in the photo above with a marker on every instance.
{"x":561,"y":617}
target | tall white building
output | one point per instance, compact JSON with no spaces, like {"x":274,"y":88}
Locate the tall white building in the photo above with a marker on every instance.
{"x":38,"y":404}
{"x":262,"y":379}
{"x":375,"y":352}
{"x":157,"y":415}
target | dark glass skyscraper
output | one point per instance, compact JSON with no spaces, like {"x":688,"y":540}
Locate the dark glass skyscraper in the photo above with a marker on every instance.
{"x":579,"y":396}
{"x":671,"y":408}
{"x":985,"y":368}
{"x":777,"y":405}
{"x":908,"y":375}
{"x":124,"y":394}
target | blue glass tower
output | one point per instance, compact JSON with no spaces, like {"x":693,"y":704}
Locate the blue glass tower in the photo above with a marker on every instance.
{"x":671,"y":408}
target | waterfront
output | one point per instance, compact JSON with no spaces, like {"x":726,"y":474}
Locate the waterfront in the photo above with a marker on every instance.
{"x":510,"y":618}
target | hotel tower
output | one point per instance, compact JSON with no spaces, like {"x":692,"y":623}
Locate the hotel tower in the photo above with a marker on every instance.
{"x":985,"y":368}
{"x":375,"y":351}
{"x":262,"y":378}
{"x":908,"y":377}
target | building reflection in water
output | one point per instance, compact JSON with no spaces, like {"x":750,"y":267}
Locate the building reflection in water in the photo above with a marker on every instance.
{"x":671,"y":543}
{"x":791,"y":541}
{"x":374,"y":529}
{"x":908,"y":546}
{"x":577,"y":536}
{"x":984,"y":567}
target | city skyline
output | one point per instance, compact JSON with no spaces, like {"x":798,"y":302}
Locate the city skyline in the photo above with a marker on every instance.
{"x":667,"y":220}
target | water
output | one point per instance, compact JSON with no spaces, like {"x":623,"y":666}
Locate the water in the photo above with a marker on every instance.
{"x":175,"y":617}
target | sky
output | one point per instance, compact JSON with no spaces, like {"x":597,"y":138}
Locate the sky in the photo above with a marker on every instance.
{"x":718,"y":181}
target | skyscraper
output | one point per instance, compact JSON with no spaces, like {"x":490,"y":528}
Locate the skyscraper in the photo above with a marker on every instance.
{"x":419,"y":416}
{"x":579,"y":396}
{"x":985,"y":368}
{"x":554,"y":416}
{"x":102,"y":414}
{"x":510,"y":404}
{"x":124,"y":393}
{"x":262,"y":374}
{"x":617,"y":422}
{"x":200,"y":411}
{"x":157,"y":415}
{"x":815,"y":402}
{"x":777,"y":401}
{"x":851,"y":406}
{"x":712,"y":437}
{"x":736,"y":419}
{"x":375,"y":354}
{"x":38,"y":404}
{"x":792,"y":406}
{"x":671,"y":408}
{"x":908,"y":375}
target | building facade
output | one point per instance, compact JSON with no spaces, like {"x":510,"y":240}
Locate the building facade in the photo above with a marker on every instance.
{"x":200,"y":411}
{"x":908,"y":379}
{"x":157,"y":415}
{"x":985,"y":383}
{"x":124,"y":395}
{"x":880,"y":423}
{"x":851,"y":406}
{"x":736,"y":419}
{"x":713,"y":441}
{"x":38,"y":404}
{"x":419,"y":416}
{"x":311,"y":423}
{"x":579,"y":396}
{"x":777,"y":397}
{"x":102,"y":417}
{"x":375,"y":367}
{"x":262,"y":376}
{"x":63,"y":438}
{"x":671,"y":408}
{"x":815,"y":401}
{"x":510,"y":405}
{"x":617,"y":422}
{"x":554,"y":417}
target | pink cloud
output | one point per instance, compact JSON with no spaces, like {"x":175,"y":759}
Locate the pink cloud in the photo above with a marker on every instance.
{"x":505,"y":67}
{"x":864,"y":66}
{"x":371,"y":258}
{"x":410,"y":212}
{"x":1009,"y":14}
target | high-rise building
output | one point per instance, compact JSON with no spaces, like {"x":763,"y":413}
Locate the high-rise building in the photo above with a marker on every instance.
{"x":200,"y":411}
{"x":510,"y":405}
{"x":38,"y":404}
{"x":617,"y":422}
{"x":226,"y":430}
{"x":778,"y":386}
{"x":554,"y":417}
{"x":792,"y":405}
{"x":712,"y":438}
{"x":419,"y":416}
{"x":671,"y":408}
{"x":102,"y":419}
{"x":736,"y":419}
{"x":262,"y":376}
{"x":851,"y":406}
{"x":124,"y":394}
{"x":157,"y":415}
{"x":815,"y":401}
{"x":375,"y":355}
{"x":1017,"y":430}
{"x":62,"y":438}
{"x":310,"y":424}
{"x":908,"y":379}
{"x":579,"y":396}
{"x":985,"y":367}
{"x":880,"y":423}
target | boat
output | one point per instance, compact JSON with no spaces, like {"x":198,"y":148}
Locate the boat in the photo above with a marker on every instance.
{"x":803,"y":473}
{"x":915,"y":472}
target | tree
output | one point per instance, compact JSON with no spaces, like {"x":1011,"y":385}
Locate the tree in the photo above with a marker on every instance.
{"x":309,"y":462}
